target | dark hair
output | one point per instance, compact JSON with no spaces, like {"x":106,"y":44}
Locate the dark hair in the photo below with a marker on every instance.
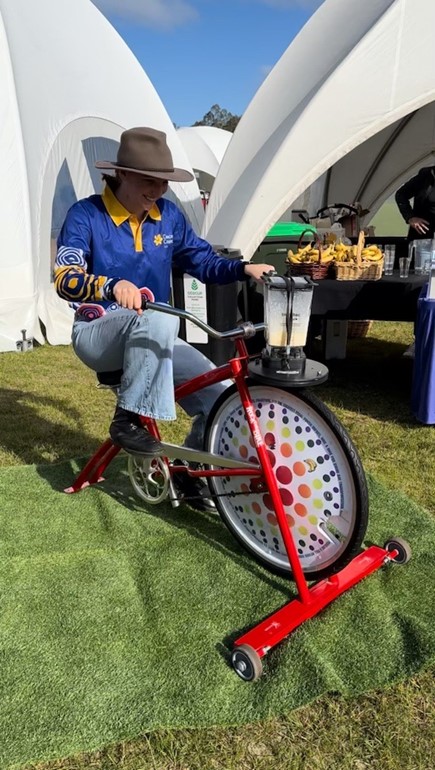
{"x":112,"y":180}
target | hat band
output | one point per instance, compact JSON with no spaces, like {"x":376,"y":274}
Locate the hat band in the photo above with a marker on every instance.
{"x":148,"y":168}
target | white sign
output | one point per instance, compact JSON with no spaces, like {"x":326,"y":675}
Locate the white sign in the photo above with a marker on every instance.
{"x":195,"y":302}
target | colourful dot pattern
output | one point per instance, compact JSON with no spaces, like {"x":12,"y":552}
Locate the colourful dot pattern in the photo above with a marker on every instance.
{"x":305,"y":459}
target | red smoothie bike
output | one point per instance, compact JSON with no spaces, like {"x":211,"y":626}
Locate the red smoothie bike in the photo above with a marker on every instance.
{"x":282,"y":470}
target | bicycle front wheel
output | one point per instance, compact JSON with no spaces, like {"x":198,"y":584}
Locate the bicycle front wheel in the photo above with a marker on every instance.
{"x":319,"y":475}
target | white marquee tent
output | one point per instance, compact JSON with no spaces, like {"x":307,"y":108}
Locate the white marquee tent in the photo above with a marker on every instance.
{"x":63,"y":104}
{"x":346,"y":114}
{"x":205,"y":146}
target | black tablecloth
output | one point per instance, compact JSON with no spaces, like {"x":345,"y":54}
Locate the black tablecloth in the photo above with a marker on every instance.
{"x":389,"y":299}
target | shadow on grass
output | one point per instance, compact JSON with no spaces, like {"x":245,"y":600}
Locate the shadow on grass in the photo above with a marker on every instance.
{"x":32,"y":437}
{"x":207,"y":527}
{"x":374,"y":379}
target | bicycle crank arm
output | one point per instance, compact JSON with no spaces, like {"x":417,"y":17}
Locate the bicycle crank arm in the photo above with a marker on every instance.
{"x":174,"y":451}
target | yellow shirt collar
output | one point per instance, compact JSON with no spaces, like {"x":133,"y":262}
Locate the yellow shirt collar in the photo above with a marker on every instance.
{"x":118,"y":213}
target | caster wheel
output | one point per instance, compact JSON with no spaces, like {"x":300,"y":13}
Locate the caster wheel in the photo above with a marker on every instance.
{"x":400,"y":545}
{"x":247,"y":663}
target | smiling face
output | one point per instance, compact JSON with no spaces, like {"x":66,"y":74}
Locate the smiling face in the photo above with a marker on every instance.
{"x":138,"y":192}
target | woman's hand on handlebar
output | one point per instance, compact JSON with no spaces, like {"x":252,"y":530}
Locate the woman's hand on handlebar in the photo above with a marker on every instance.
{"x":257,"y":271}
{"x":128,"y":295}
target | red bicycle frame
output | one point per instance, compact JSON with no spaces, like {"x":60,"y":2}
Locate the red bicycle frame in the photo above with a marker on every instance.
{"x":310,"y":600}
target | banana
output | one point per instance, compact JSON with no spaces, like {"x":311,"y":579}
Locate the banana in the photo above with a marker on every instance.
{"x":371,"y":254}
{"x":327,"y":255}
{"x":306,"y":248}
{"x":292,"y":257}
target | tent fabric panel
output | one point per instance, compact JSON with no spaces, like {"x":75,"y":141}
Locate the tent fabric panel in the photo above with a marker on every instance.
{"x":376,"y":168}
{"x":274,"y":157}
{"x":18,"y":314}
{"x":17,"y":279}
{"x":200,"y":155}
{"x":217,"y":139}
{"x":68,"y":177}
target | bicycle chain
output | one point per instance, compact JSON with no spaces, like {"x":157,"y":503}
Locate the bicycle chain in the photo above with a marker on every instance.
{"x":222,"y":494}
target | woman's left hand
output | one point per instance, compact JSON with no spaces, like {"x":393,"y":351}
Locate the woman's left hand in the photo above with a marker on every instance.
{"x":257,"y":271}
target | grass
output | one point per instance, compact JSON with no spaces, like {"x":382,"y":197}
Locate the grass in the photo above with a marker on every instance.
{"x":50,"y":410}
{"x":118,"y":619}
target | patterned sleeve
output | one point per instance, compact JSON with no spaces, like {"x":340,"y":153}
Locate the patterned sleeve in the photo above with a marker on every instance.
{"x":72,"y":280}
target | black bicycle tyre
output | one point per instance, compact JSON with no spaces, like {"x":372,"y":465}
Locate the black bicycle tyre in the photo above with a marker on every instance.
{"x":356,"y":478}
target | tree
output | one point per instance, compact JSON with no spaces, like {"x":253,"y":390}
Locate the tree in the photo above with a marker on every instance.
{"x":219,"y":118}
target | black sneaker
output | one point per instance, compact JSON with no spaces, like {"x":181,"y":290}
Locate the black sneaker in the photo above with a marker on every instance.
{"x":193,"y":487}
{"x":127,"y":432}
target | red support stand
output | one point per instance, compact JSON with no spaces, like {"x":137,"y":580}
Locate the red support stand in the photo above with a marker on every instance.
{"x":276,"y":627}
{"x":93,"y":471}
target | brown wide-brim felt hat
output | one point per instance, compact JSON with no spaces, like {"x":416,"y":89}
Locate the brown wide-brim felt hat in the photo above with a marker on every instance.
{"x":145,"y":151}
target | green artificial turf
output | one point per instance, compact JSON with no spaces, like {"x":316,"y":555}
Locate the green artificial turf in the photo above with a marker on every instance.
{"x":116,"y":620}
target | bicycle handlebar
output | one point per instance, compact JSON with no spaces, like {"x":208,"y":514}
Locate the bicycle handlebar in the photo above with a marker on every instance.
{"x":245,"y":329}
{"x":351,"y":209}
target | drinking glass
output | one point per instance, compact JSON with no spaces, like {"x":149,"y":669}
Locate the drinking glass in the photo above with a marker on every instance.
{"x":403,"y":267}
{"x":427,"y":266}
{"x":389,"y":257}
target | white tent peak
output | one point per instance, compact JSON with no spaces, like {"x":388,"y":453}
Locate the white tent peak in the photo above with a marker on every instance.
{"x":205,"y":147}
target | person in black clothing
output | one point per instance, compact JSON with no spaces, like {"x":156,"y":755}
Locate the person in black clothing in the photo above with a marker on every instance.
{"x":421,"y":216}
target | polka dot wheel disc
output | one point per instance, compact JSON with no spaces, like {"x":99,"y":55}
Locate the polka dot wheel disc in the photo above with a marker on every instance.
{"x":313,"y":474}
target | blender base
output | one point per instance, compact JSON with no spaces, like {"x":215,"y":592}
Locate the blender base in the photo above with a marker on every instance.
{"x":308,"y":373}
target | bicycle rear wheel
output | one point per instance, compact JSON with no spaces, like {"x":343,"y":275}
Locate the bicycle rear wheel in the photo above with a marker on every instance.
{"x":320,"y":479}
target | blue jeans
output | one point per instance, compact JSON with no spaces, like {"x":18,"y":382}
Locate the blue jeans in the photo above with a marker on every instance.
{"x":153,"y":360}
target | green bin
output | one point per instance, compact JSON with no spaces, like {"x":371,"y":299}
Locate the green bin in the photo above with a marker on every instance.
{"x":280,"y":238}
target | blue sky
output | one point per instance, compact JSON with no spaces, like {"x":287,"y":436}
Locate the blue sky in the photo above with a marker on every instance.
{"x":203,"y":52}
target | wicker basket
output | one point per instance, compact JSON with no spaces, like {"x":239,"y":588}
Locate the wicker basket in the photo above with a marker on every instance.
{"x":358,"y":328}
{"x":351,"y":271}
{"x":359,"y":270}
{"x":315,"y":270}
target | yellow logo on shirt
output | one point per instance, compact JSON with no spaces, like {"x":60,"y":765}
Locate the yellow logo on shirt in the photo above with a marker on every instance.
{"x":158,"y":240}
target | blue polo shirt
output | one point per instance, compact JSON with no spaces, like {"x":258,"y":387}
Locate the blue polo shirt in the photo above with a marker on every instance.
{"x":101,"y":243}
